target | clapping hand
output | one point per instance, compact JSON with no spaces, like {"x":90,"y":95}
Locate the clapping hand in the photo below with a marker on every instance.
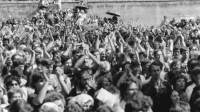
{"x":91,"y":83}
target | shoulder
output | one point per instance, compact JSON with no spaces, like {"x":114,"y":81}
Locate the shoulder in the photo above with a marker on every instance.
{"x":145,"y":86}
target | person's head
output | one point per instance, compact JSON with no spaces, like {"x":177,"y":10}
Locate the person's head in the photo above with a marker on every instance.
{"x":104,"y":82}
{"x":192,"y":64}
{"x":20,"y":105}
{"x":134,"y":105}
{"x":156,"y":45}
{"x":132,"y":56}
{"x":176,"y":52}
{"x":147,"y":103}
{"x":179,"y":81}
{"x":73,"y":107}
{"x":14,"y":94}
{"x":129,"y":89}
{"x":66,"y":61}
{"x":19,"y":63}
{"x":185,"y":53}
{"x":56,"y":56}
{"x":184,"y":68}
{"x":47,"y":64}
{"x":27,"y":55}
{"x":155,"y":69}
{"x":180,"y":106}
{"x":37,"y":80}
{"x":83,"y":76}
{"x":175,"y":65}
{"x":96,"y":54}
{"x":56,"y":98}
{"x":8,"y":62}
{"x":49,"y":107}
{"x":175,"y":97}
{"x":16,"y":57}
{"x":85,"y":101}
{"x":157,"y":55}
{"x":196,"y":75}
{"x":102,"y":54}
{"x":145,"y":65}
{"x":6,"y":42}
{"x":12,"y":82}
{"x":135,"y":67}
{"x":76,"y":53}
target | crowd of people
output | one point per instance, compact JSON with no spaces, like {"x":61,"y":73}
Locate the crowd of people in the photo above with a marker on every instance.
{"x":70,"y":60}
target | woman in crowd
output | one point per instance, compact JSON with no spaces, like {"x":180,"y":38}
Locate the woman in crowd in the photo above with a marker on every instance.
{"x":179,"y":84}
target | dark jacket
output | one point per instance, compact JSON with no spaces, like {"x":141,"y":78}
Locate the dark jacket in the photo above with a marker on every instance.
{"x":161,"y":102}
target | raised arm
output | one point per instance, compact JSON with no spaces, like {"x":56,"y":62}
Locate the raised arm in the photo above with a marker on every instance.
{"x":38,"y":100}
{"x":66,"y":87}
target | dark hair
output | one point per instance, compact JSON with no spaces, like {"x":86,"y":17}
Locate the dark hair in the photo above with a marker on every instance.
{"x":35,"y":77}
{"x":8,"y":80}
{"x":6,"y":39}
{"x":191,"y":64}
{"x":20,"y":105}
{"x":133,"y":105}
{"x":124,"y":86}
{"x":155,"y":63}
{"x":83,"y":71}
{"x":155,"y":52}
{"x":55,"y":52}
{"x":46,"y":62}
{"x":38,"y":61}
{"x":177,"y":77}
{"x":12,"y":58}
{"x":64,"y":59}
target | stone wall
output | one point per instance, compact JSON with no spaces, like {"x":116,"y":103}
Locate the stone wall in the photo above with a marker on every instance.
{"x":149,"y":12}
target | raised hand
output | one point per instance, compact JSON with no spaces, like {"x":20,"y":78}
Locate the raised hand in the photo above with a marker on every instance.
{"x":91,"y":82}
{"x":32,"y":51}
{"x":59,"y":71}
{"x":44,"y":70}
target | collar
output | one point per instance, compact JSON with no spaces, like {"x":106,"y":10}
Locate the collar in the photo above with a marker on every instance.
{"x":153,"y":82}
